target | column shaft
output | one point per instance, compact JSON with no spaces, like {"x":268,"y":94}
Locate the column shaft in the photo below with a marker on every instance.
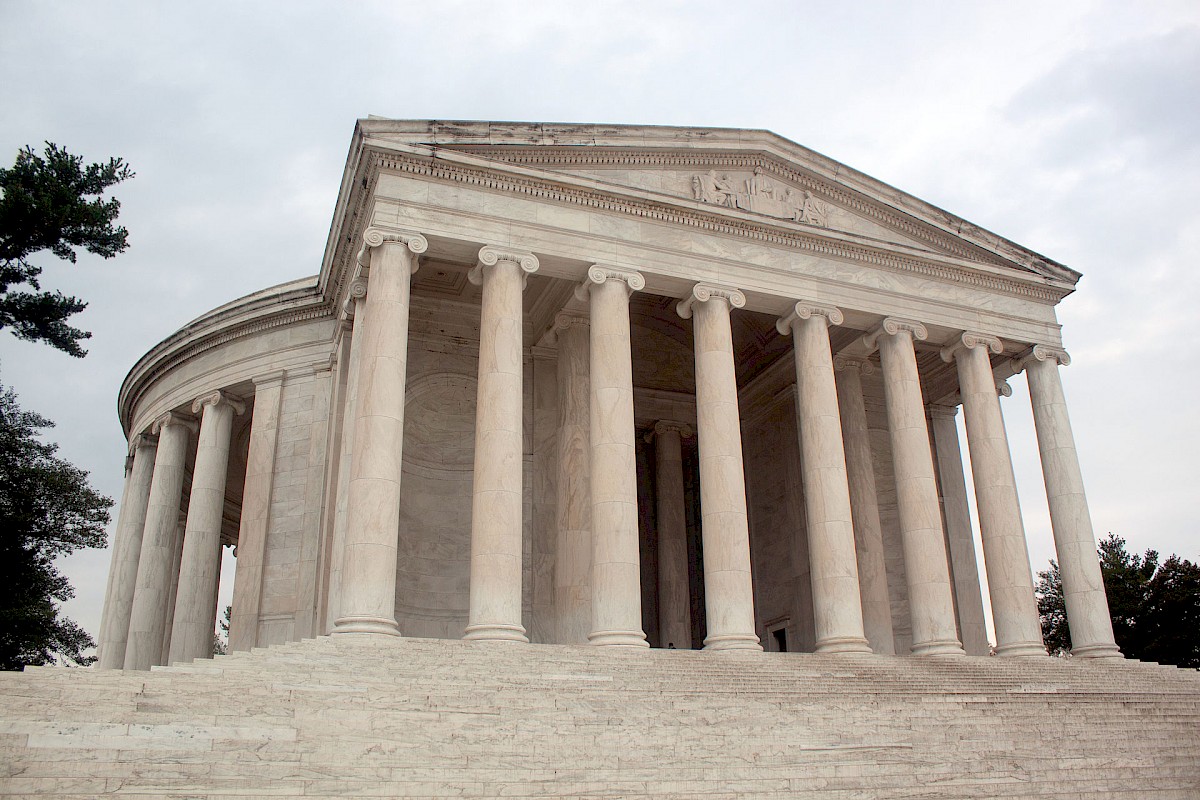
{"x":172,"y":591}
{"x":148,"y":616}
{"x":367,"y":590}
{"x":616,"y":557}
{"x":837,"y":609}
{"x":728,"y":587}
{"x":674,"y":587}
{"x":931,"y":603}
{"x":864,"y":502}
{"x":346,"y":456}
{"x":1005,"y":555}
{"x":1083,"y":583}
{"x":956,"y":515}
{"x":199,"y":570}
{"x":127,"y":551}
{"x":496,"y":500}
{"x":573,"y":553}
{"x":256,"y":512}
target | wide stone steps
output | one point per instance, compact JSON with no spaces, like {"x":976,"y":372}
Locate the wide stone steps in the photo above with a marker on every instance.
{"x":367,"y":717}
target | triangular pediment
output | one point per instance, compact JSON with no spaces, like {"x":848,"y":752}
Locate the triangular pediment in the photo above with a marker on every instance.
{"x":753,"y":175}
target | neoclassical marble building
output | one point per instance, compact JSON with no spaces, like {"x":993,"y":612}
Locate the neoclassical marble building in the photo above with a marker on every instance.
{"x":626,"y":385}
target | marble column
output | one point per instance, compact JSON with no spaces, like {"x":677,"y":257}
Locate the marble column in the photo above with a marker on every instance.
{"x":1005,"y":555}
{"x":616,"y":557}
{"x":367,"y":591}
{"x":1083,"y":584}
{"x":728,"y":587}
{"x":573,"y":552}
{"x":256,"y":511}
{"x":964,"y":565}
{"x":864,"y":503}
{"x":355,"y":309}
{"x":148,"y":616}
{"x":496,"y":495}
{"x":837,"y":608}
{"x":127,"y":550}
{"x":674,"y":586}
{"x":930,"y":600}
{"x":199,"y":569}
{"x":173,"y":590}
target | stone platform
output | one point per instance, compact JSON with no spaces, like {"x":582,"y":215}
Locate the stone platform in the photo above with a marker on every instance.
{"x":401,"y":717}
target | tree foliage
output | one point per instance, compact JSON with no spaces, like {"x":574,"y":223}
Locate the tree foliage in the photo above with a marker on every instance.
{"x":1155,"y":607}
{"x":53,"y":202}
{"x":47,"y":509}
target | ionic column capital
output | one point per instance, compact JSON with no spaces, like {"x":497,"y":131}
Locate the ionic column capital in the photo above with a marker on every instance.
{"x":1003,"y":389}
{"x":806,"y":310}
{"x":144,"y":439}
{"x":372,"y":238}
{"x":376,"y":237}
{"x":172,"y":418}
{"x":490,"y":256}
{"x":703,"y":292}
{"x":892,"y":326}
{"x":1043,"y":352}
{"x":216,"y":398}
{"x":858,"y":364}
{"x":598,"y":274}
{"x":663,"y":426}
{"x":563,"y":320}
{"x":356,"y":292}
{"x":969,"y":340}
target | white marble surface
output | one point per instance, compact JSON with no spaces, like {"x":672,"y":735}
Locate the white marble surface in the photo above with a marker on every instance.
{"x":573,"y":560}
{"x":151,"y":597}
{"x":1005,"y":554}
{"x":127,"y":551}
{"x":836,"y":605}
{"x":1083,"y":584}
{"x":367,"y":603}
{"x":616,"y":559}
{"x":200,"y":563}
{"x":728,"y":586}
{"x":931,"y":602}
{"x":497,"y":500}
{"x":864,"y":502}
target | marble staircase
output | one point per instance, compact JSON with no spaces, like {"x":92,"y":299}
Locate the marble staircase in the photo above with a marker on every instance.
{"x":358,"y":717}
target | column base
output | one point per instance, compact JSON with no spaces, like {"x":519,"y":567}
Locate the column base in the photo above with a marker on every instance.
{"x":618,"y":639}
{"x":379,"y":626}
{"x":1022,"y":650}
{"x":495,"y":632}
{"x":844,"y":644}
{"x":947,"y":647}
{"x":733,"y":641}
{"x":1097,"y":651}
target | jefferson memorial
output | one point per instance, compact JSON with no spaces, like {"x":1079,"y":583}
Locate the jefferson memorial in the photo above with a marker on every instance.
{"x":605,"y":462}
{"x":622,"y":385}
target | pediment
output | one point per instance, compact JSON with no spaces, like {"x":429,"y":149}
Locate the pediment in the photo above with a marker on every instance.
{"x":757,"y":185}
{"x":751,"y":178}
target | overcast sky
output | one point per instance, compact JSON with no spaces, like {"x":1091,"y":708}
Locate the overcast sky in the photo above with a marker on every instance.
{"x":1071,"y":128}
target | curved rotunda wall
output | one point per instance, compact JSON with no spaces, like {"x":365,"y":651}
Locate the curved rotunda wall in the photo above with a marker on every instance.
{"x":270,"y":351}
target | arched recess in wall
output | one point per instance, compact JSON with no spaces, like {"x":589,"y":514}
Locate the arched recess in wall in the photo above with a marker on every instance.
{"x":433,"y":560}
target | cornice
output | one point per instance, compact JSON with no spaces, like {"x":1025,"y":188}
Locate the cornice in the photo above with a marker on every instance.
{"x":671,"y":210}
{"x":245,"y":317}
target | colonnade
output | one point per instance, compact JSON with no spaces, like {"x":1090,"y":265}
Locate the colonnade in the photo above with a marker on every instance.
{"x":597,"y":585}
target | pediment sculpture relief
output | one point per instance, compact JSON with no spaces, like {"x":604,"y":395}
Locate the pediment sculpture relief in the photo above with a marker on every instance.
{"x":762,"y":195}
